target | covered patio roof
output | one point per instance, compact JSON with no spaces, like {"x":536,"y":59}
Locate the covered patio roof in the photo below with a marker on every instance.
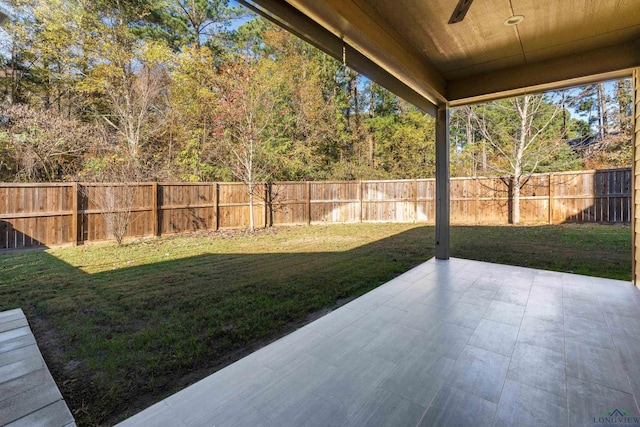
{"x":410,"y":47}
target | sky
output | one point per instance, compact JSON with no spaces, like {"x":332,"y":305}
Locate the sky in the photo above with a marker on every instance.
{"x":237,"y":22}
{"x":5,"y":40}
{"x":4,"y":35}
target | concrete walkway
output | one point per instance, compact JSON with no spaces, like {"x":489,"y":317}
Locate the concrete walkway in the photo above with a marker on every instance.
{"x":449,"y":343}
{"x":28,"y":394}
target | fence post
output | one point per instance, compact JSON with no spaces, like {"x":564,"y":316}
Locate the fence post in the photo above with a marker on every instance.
{"x":216,"y":206}
{"x":415,"y":201}
{"x":360,"y":198}
{"x":551,"y":202}
{"x":610,"y":175}
{"x":264,"y":207}
{"x":81,"y":220}
{"x":74,"y":214}
{"x":476,"y":202}
{"x":308,"y":203}
{"x":154,"y":209}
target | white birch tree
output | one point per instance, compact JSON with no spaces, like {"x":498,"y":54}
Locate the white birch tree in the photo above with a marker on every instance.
{"x":522,"y":134}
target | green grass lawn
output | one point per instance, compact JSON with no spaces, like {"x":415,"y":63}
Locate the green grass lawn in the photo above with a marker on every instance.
{"x":123,"y":327}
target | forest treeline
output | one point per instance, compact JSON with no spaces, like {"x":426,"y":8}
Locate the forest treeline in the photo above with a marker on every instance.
{"x":139,"y":90}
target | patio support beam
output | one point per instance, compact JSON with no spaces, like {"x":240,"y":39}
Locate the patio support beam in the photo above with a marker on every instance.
{"x":607,"y":63}
{"x":635,"y":194}
{"x":442,"y":183}
{"x":360,"y":25}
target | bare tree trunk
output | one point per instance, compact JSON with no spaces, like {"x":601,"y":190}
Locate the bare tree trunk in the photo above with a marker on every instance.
{"x":251,"y":185}
{"x":564,"y":111}
{"x":602,"y":110}
{"x":251,"y":223}
{"x":354,"y":95}
{"x":516,"y":200}
{"x":519,"y":156}
{"x":469,"y":125}
{"x":371,"y":150}
{"x":16,"y":76}
{"x":471,"y":140}
{"x":372,"y":106}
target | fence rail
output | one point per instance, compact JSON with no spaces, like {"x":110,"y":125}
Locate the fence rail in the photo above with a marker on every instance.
{"x":74,"y":213}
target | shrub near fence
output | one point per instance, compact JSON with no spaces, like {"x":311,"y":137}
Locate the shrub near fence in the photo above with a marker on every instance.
{"x":70,"y":213}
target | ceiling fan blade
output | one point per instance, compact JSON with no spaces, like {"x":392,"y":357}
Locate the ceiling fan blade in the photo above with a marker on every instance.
{"x":460,"y":11}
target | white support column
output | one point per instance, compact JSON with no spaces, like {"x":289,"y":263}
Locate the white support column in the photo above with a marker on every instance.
{"x":635,"y":194}
{"x":442,"y":183}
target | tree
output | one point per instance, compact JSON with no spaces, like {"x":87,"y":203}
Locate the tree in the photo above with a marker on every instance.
{"x":192,"y":23}
{"x":46,"y":53}
{"x":405,"y":143}
{"x":152,"y":80}
{"x":115,"y":198}
{"x":469,"y":151}
{"x":523,"y":133}
{"x":623,"y":117}
{"x":38,"y":145}
{"x":310,"y":122}
{"x":192,"y":108}
{"x":612,"y":148}
{"x":247,"y":122}
{"x":593,"y":101}
{"x":132,"y":85}
{"x":115,"y":176}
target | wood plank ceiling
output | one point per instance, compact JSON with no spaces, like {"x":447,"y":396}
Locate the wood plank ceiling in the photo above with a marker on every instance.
{"x":559,"y":42}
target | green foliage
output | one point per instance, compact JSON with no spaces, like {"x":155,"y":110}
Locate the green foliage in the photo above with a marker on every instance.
{"x":193,"y":167}
{"x":405,"y":143}
{"x":191,"y":23}
{"x":561,"y":158}
{"x":150,"y":78}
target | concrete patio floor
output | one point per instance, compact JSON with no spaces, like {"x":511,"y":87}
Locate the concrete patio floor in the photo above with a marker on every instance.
{"x":451,"y":343}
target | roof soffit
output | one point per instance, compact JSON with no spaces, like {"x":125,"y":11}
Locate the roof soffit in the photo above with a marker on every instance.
{"x":559,"y":43}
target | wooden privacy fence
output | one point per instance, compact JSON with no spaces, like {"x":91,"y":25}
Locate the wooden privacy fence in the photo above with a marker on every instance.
{"x":74,"y":213}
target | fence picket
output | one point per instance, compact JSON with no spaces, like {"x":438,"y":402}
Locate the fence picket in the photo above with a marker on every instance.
{"x":67,"y":213}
